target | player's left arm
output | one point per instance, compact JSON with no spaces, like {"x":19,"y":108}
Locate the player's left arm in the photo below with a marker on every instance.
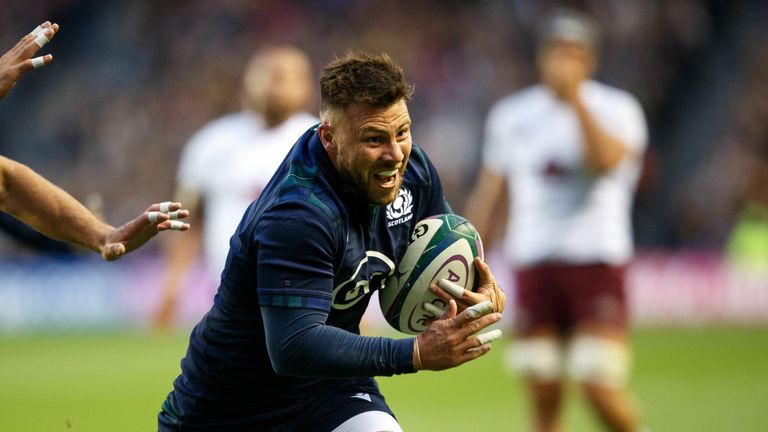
{"x":50,"y":210}
{"x":18,"y":60}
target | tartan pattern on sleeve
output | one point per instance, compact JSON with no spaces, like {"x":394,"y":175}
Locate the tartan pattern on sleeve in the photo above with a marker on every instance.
{"x":294,"y":298}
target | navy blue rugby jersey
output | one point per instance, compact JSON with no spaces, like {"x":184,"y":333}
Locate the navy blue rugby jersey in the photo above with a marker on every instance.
{"x":307,"y":244}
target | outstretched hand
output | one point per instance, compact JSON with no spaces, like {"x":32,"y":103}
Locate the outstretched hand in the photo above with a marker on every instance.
{"x":488,"y":290}
{"x":132,"y":235}
{"x":18,"y":60}
{"x":451,"y":340}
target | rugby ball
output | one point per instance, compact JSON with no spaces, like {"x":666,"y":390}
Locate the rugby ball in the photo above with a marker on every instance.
{"x":441,"y":247}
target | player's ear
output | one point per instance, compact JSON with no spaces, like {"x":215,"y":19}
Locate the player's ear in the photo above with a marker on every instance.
{"x":325,"y":132}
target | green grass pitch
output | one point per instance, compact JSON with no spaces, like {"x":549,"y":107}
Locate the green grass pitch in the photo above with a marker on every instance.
{"x":686,"y":380}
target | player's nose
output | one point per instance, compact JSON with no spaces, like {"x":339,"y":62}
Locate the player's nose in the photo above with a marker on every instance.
{"x":393,"y":151}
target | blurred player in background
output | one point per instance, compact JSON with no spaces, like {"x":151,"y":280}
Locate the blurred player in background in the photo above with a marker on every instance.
{"x":227,"y":164}
{"x":569,"y":152}
{"x":50,"y":210}
{"x":281,"y":350}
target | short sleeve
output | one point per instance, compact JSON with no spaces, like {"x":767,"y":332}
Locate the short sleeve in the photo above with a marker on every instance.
{"x":635,"y":130}
{"x":295,"y":261}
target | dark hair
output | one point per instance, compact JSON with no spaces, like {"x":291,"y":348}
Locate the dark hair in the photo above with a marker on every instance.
{"x":365,"y":79}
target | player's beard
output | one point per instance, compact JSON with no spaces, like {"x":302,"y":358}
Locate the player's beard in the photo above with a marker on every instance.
{"x":275,"y":113}
{"x":363,"y":184}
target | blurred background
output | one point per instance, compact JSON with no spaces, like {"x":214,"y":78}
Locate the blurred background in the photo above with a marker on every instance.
{"x":133,"y":80}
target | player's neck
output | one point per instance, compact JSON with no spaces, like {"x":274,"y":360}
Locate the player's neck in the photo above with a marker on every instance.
{"x":273,"y":120}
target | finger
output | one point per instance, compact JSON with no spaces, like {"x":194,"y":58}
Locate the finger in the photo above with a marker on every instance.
{"x":488,"y":337}
{"x":156,"y":217}
{"x":42,"y":38}
{"x":34,"y":63}
{"x":469,"y":333}
{"x":41,"y":28}
{"x":481,"y":266}
{"x":451,"y":310}
{"x":451,"y":288}
{"x":478,"y":351}
{"x":38,"y":30}
{"x":484,"y":339}
{"x":438,"y":292}
{"x":432,"y":309}
{"x":40,"y":61}
{"x":178,"y":225}
{"x":488,"y":287}
{"x":178,"y":214}
{"x":480,"y":309}
{"x":173,"y":225}
{"x":37,"y":62}
{"x":472,"y":324}
{"x":483,"y":271}
{"x":165,"y":206}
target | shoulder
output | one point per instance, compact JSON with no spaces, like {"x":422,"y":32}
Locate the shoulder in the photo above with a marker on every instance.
{"x":420,"y":168}
{"x":231,"y":124}
{"x":302,"y":183}
{"x":517,"y":103}
{"x":229,"y":128}
{"x":607,"y":94}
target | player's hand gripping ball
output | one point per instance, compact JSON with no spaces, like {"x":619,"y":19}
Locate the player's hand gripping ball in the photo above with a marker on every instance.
{"x":441,"y":247}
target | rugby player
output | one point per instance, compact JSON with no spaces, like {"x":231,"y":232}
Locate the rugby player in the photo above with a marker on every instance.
{"x":570,"y":149}
{"x":281,"y":350}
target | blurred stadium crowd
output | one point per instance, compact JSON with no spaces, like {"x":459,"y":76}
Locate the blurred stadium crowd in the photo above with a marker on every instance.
{"x":132,"y":81}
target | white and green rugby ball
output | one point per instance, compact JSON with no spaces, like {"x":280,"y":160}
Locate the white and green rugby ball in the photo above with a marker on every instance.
{"x":441,"y":247}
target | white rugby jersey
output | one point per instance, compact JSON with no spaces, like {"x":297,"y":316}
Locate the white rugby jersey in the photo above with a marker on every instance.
{"x":229,"y":162}
{"x":559,"y":211}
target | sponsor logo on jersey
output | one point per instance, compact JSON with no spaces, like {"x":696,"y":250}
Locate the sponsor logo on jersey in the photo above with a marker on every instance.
{"x":354,"y":289}
{"x":400,"y":210}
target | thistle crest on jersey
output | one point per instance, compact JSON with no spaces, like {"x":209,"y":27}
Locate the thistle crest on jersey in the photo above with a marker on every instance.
{"x":400,"y":209}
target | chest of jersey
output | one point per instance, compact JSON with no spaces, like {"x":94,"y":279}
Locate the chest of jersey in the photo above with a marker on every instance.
{"x":548,"y":149}
{"x":373,"y":244}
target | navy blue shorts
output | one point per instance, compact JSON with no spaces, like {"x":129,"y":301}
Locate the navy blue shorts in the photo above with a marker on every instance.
{"x":322,"y":412}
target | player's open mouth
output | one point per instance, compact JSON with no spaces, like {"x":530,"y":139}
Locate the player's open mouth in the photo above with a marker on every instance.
{"x":386,"y":179}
